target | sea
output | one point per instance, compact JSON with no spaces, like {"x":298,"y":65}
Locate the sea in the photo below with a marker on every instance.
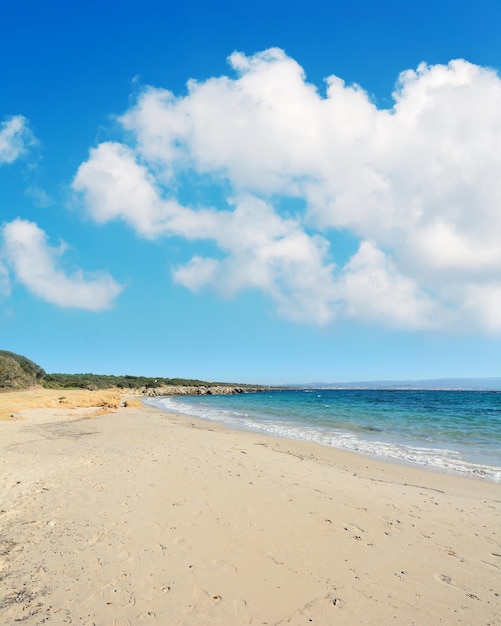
{"x":452,"y":431}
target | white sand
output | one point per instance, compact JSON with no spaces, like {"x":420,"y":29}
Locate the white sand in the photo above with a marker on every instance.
{"x":138,"y":517}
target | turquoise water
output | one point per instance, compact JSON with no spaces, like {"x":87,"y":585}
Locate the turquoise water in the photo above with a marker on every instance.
{"x":452,"y":431}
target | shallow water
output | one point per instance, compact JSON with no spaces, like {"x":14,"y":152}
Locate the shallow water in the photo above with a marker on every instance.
{"x":453,"y":431}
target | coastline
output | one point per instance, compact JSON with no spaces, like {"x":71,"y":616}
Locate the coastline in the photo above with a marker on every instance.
{"x":138,"y":516}
{"x":441,"y":431}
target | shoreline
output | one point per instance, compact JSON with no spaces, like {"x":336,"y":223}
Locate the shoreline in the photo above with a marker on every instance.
{"x":400,"y":452}
{"x":340,"y":457}
{"x":137,"y":515}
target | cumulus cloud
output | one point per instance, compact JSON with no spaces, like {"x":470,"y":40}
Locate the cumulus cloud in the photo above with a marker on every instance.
{"x":15,"y":138}
{"x":372,"y":289}
{"x":262,"y":250}
{"x":418,"y":184}
{"x":268,"y":253}
{"x":36,"y":265}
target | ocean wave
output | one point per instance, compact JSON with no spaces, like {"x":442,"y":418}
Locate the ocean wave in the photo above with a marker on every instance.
{"x":443,"y":459}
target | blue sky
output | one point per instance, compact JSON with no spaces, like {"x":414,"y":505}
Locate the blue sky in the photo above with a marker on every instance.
{"x":259,"y":192}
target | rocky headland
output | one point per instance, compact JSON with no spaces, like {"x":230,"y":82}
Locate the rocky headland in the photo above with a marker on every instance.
{"x":199,"y":390}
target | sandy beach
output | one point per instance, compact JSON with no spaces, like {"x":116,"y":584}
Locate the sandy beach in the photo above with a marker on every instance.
{"x":123,"y":515}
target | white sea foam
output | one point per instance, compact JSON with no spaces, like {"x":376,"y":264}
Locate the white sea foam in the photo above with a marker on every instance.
{"x":369,"y":444}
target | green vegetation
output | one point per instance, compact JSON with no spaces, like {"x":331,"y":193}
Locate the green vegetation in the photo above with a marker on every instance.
{"x":103,"y":381}
{"x":18,"y":372}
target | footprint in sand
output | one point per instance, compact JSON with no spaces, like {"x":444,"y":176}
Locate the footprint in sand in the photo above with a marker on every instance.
{"x":121,"y":621}
{"x":242,"y":614}
{"x":227,"y":567}
{"x":183,"y":545}
{"x":96,"y":591}
{"x":122,"y":552}
{"x":159,"y":528}
{"x":97,"y":538}
{"x":160,"y":549}
{"x":195,"y":515}
{"x":355,"y":531}
{"x":353,"y":528}
{"x":206,"y":570}
{"x":201,"y":604}
{"x":212,"y":608}
{"x":446,"y":580}
{"x":122,"y":597}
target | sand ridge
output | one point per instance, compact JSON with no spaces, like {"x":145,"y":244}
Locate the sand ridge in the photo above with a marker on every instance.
{"x":14,"y":403}
{"x":142,"y":517}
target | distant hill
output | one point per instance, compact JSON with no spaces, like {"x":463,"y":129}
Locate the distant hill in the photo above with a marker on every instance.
{"x":18,"y":372}
{"x":475,"y":384}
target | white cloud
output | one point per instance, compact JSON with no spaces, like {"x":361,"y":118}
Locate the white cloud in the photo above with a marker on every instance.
{"x":115,"y":185}
{"x":36,"y":265}
{"x":420,"y":181}
{"x":271,"y":254}
{"x":481,"y":304}
{"x":263,"y":251}
{"x":372,"y":289}
{"x":15,"y":138}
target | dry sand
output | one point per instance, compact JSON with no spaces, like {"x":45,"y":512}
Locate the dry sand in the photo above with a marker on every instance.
{"x":139,"y":517}
{"x":14,"y":403}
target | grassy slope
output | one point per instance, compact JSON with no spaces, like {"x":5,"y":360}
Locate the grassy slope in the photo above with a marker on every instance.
{"x":18,"y":372}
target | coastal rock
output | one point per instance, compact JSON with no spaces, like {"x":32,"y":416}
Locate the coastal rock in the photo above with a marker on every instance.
{"x":199,"y":390}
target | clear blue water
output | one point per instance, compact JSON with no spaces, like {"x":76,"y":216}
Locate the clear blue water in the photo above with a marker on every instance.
{"x":452,"y":431}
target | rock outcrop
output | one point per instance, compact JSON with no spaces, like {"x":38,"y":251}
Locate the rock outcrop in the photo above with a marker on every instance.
{"x":199,"y":390}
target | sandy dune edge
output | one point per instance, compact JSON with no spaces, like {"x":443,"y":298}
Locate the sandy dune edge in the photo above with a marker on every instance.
{"x":138,"y":517}
{"x":14,"y":403}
